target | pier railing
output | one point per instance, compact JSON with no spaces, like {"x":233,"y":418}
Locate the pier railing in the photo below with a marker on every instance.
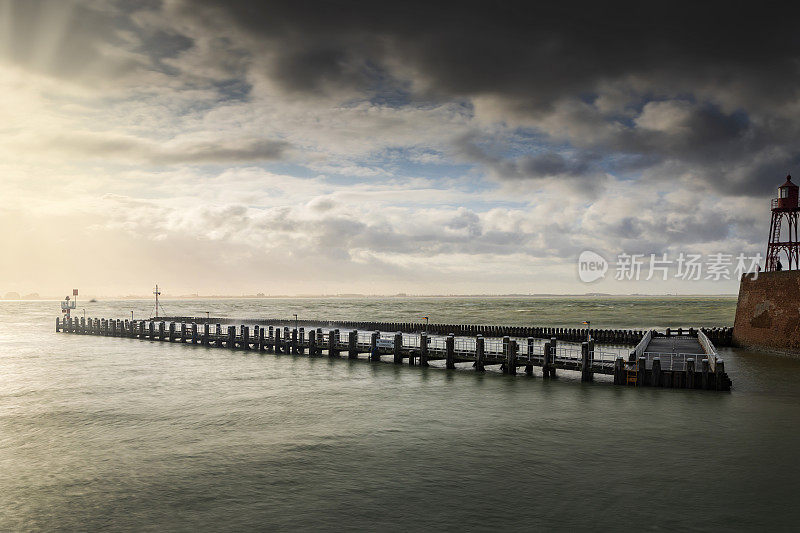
{"x":642,"y":346}
{"x":674,"y":361}
{"x":708,"y":348}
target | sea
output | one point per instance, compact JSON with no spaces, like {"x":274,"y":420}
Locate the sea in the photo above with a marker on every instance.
{"x":117,"y":434}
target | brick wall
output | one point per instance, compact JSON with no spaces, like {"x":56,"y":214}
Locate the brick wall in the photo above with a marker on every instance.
{"x":768,"y":311}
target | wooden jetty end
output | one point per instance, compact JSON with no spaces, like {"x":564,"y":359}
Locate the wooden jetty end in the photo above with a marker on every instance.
{"x":644,"y":367}
{"x":662,"y":358}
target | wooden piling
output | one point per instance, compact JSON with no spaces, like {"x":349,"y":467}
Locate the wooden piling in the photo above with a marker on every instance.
{"x":373,"y":347}
{"x":553,"y":356}
{"x":719,"y":375}
{"x":301,"y":336}
{"x":231,"y":337}
{"x":332,"y":351}
{"x":278,"y":345}
{"x":312,"y":343}
{"x":705,"y":382}
{"x":690,"y":373}
{"x":245,"y":337}
{"x":423,"y":349}
{"x":547,"y":358}
{"x":586,"y":369}
{"x":529,"y":366}
{"x":352,"y":344}
{"x":619,"y":371}
{"x":656,"y":374}
{"x":450,"y":351}
{"x":641,"y":372}
{"x":512,"y":357}
{"x":295,"y":348}
{"x":480,"y":354}
{"x":397,"y":350}
{"x":505,"y":349}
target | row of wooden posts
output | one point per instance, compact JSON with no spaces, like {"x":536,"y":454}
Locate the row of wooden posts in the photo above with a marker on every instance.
{"x":295,"y":341}
{"x":720,"y":336}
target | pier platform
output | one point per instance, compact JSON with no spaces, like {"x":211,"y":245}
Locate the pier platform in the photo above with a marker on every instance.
{"x":641,"y":367}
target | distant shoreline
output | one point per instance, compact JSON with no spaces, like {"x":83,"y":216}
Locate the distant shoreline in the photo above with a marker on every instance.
{"x":370,"y":296}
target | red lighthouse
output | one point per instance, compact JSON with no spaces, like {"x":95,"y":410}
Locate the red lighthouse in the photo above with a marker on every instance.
{"x":784,"y":208}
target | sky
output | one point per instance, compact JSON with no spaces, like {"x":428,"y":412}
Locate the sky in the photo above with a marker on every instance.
{"x":284,"y":147}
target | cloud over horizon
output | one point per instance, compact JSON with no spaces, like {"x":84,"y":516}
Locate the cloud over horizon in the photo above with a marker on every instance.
{"x":484,"y":144}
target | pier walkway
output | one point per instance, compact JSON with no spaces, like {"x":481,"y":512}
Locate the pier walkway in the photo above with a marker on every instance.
{"x":641,"y":368}
{"x":674,"y":345}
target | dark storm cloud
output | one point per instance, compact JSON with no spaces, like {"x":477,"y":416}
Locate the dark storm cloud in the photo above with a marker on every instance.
{"x":707,"y":93}
{"x":536,"y":51}
{"x":732,"y":67}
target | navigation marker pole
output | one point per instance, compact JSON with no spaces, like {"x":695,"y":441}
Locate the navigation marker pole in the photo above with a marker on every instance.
{"x":157,"y":293}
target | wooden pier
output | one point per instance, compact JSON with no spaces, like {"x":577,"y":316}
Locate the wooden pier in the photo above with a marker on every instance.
{"x":641,"y":367}
{"x":720,"y":336}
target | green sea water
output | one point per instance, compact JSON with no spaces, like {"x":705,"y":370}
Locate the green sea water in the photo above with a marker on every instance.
{"x":128,"y":435}
{"x":624,"y":312}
